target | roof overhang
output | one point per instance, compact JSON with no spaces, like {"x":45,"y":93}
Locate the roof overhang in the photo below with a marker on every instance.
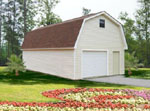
{"x":46,"y":49}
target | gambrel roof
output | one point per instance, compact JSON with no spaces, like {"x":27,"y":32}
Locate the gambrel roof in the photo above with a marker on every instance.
{"x":61,"y":35}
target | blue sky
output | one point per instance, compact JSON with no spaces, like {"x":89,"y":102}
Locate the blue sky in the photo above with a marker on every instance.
{"x":68,"y":9}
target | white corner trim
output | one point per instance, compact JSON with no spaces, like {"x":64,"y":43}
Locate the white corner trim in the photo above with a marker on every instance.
{"x":124,"y":38}
{"x":111,"y":18}
{"x":78,"y":37}
{"x":74,"y":63}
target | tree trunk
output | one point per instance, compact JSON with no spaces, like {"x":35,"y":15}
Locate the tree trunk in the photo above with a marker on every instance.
{"x":8,"y":49}
{"x":17,"y":73}
{"x":25,"y":13}
{"x":129,"y":71}
{"x":9,"y":36}
{"x":0,"y":30}
{"x":147,"y":39}
{"x":13,"y":28}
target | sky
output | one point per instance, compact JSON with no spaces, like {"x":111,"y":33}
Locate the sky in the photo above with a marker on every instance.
{"x":68,"y":9}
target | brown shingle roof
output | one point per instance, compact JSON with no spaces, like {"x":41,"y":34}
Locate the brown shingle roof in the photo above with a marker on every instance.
{"x":59,"y":35}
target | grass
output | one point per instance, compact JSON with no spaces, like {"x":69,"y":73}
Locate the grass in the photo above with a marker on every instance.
{"x":28,"y":85}
{"x":142,"y":73}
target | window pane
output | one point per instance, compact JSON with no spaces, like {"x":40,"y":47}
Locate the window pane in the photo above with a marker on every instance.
{"x":102,"y":23}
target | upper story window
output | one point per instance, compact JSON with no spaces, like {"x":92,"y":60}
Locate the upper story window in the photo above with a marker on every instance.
{"x":102,"y":23}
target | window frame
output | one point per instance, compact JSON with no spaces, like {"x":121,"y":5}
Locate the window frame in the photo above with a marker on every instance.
{"x":102,"y":23}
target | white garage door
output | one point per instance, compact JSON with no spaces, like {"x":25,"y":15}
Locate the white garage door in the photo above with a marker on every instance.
{"x":94,"y":63}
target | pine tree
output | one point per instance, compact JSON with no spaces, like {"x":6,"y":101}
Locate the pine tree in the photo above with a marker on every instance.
{"x":25,"y":16}
{"x":28,"y":10}
{"x":0,"y":29}
{"x":18,"y":19}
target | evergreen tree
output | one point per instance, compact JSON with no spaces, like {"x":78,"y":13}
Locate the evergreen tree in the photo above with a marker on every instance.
{"x":11,"y":27}
{"x":0,"y":30}
{"x":25,"y":16}
{"x":28,"y":11}
{"x":16,"y":22}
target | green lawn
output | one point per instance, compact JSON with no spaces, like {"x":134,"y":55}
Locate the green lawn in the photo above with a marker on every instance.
{"x":142,"y":73}
{"x":28,"y":86}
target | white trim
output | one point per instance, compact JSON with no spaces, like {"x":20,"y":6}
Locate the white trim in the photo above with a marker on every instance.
{"x":108,"y":62}
{"x":47,"y":48}
{"x":74,"y":60}
{"x":124,"y":38}
{"x":111,"y":18}
{"x":95,"y":50}
{"x":101,"y":13}
{"x":78,"y":37}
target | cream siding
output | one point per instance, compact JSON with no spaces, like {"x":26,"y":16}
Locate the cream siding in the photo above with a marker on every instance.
{"x":94,"y":37}
{"x":116,"y":62}
{"x":67,"y":63}
{"x":55,"y":62}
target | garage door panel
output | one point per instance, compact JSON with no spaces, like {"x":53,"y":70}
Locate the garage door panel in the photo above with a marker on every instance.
{"x":94,"y":64}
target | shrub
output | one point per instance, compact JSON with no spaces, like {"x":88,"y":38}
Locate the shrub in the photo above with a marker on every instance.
{"x":16,"y":64}
{"x":131,"y":62}
{"x":138,"y":73}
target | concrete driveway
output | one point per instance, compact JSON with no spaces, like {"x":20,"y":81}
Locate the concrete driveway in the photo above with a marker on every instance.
{"x":120,"y":79}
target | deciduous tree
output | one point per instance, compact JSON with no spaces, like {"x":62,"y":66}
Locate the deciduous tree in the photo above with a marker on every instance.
{"x":143,"y":28}
{"x":47,"y":16}
{"x":129,"y":30}
{"x":85,"y":11}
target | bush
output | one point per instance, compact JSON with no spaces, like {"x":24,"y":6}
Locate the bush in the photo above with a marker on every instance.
{"x":131,"y":62}
{"x":15,"y":64}
{"x":138,"y":73}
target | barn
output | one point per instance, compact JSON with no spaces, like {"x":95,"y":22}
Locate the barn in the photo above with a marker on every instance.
{"x":84,"y":47}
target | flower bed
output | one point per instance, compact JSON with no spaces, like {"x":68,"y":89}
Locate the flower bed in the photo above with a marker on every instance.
{"x":86,"y":99}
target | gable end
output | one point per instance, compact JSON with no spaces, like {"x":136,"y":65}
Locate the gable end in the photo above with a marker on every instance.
{"x":112,"y":19}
